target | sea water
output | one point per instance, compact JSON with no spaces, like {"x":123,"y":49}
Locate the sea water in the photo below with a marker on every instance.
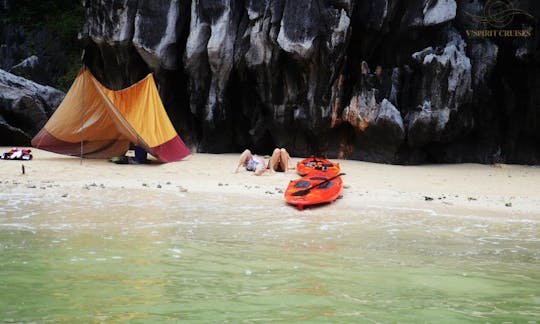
{"x":228,"y":260}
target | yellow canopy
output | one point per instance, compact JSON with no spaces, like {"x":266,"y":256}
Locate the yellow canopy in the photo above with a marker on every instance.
{"x":107,"y":121}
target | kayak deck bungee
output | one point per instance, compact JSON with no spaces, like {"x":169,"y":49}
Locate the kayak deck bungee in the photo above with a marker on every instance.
{"x":311,"y":164}
{"x":316,"y":188}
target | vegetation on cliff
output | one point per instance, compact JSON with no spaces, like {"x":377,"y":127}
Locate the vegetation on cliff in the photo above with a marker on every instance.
{"x":47,"y":29}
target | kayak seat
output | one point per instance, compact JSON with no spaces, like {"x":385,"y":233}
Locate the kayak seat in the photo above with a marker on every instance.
{"x":302,"y":184}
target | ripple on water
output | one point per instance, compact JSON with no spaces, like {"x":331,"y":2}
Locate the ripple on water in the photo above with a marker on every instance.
{"x":214,"y":258}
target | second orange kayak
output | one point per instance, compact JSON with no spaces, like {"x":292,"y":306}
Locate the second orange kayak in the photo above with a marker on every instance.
{"x":311,"y":164}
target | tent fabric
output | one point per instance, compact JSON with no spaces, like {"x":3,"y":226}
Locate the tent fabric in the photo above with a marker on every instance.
{"x":103,"y":122}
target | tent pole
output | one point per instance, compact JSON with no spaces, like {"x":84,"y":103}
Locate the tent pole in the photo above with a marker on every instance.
{"x":82,"y":112}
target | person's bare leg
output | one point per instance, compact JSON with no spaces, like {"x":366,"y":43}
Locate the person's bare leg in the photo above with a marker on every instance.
{"x":244,"y":157}
{"x":284,"y":159}
{"x":274,"y":160}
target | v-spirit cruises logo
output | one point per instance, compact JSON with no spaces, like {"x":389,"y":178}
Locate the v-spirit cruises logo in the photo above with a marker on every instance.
{"x":498,"y":17}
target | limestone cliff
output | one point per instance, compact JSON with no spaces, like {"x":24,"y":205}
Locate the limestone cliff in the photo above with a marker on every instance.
{"x":384,"y":80}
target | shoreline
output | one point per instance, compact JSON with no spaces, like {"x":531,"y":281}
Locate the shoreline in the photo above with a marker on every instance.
{"x":509,"y":191}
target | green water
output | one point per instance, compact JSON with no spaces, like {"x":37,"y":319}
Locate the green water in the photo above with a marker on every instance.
{"x":63,"y":260}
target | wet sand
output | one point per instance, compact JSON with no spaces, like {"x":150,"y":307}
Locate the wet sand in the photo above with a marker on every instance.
{"x":508,"y":191}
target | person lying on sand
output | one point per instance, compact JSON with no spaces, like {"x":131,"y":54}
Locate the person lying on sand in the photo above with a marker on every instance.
{"x":279,"y":162}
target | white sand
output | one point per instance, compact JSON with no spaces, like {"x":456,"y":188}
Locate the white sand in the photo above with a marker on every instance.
{"x":464,"y":189}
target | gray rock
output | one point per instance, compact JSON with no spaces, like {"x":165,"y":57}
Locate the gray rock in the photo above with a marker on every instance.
{"x":377,"y":123}
{"x":300,"y":25}
{"x":484,"y":55}
{"x":110,"y":21}
{"x":445,"y":87}
{"x":24,"y":108}
{"x":439,"y":11}
{"x":156,"y":33}
{"x":30,"y":68}
{"x":209,"y":56}
{"x":28,"y":63}
{"x":50,"y":97}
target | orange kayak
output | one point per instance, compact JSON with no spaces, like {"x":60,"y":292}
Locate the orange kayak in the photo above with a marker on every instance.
{"x":316,"y":188}
{"x":311,"y":164}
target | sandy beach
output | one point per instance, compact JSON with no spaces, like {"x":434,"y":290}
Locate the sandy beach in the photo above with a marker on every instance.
{"x":465,"y":189}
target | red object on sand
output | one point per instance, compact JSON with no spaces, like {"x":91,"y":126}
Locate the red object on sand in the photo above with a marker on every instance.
{"x":317,"y":164}
{"x":318,"y":187}
{"x":17,"y":154}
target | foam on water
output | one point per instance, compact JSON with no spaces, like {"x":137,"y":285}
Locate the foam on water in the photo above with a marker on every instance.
{"x":198,"y":260}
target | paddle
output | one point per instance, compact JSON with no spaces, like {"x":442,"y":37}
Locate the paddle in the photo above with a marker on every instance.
{"x":307,"y":190}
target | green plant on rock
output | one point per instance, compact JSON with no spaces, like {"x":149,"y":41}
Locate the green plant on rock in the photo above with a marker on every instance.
{"x":61,"y":20}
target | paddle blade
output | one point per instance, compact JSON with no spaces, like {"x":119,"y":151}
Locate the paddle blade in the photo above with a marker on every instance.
{"x":306,"y":191}
{"x":301,"y":192}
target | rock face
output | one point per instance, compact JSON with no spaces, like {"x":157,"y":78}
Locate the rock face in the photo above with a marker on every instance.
{"x":445,"y":88}
{"x":25,"y":106}
{"x":383,"y":80}
{"x":36,"y":55}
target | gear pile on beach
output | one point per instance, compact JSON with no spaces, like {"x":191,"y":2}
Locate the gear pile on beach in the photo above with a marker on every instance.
{"x":17,"y":154}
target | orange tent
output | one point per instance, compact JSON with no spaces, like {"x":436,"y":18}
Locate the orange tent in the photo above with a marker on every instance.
{"x":97,"y":122}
